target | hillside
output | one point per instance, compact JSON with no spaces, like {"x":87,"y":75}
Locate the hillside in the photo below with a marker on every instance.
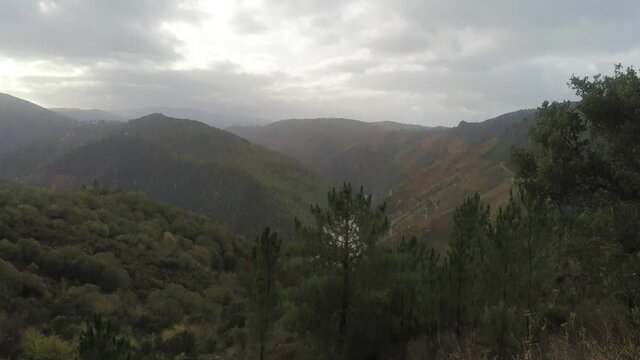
{"x":339,"y":149}
{"x":150,"y":268}
{"x":29,"y":156}
{"x":422,"y":173}
{"x":23,"y":123}
{"x":472,"y":157}
{"x":203,"y":169}
{"x":32,"y":136}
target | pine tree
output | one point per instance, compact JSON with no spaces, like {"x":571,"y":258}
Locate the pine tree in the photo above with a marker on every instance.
{"x":471,"y":229}
{"x":265,"y":295}
{"x":101,"y":340}
{"x":338,"y":239}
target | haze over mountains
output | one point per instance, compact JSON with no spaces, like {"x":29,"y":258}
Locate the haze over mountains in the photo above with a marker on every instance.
{"x":22,"y":122}
{"x":91,"y":115}
{"x":218,"y":120}
{"x":421,"y":172}
{"x":184,"y":162}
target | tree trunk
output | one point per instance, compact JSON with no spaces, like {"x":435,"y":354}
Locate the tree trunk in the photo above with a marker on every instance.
{"x":344,"y":308}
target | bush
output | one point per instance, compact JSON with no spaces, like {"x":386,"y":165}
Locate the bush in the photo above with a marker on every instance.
{"x":178,"y":340}
{"x":10,"y":251}
{"x":31,"y":250}
{"x":14,"y":282}
{"x":36,"y":346}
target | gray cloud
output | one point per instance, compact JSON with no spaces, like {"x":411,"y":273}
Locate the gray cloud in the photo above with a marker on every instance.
{"x":431,"y":62}
{"x":89,"y":29}
{"x":120,"y":86}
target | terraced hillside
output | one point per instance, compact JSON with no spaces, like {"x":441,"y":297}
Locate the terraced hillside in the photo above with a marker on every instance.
{"x":422,"y":173}
{"x":474,"y":158}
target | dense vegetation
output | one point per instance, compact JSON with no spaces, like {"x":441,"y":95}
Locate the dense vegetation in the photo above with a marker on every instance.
{"x":164,"y":278}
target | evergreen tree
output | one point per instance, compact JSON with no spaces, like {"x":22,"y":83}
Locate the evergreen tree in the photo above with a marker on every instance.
{"x":340,"y":237}
{"x":101,"y":340}
{"x":415,"y":288}
{"x":586,"y":165}
{"x":265,"y":296}
{"x":471,"y":229}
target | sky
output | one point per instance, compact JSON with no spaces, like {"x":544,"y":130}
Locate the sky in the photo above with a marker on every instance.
{"x":413,"y":61}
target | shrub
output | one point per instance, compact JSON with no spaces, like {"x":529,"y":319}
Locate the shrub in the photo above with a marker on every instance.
{"x":36,"y":346}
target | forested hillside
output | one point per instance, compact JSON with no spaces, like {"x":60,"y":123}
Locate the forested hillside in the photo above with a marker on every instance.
{"x":452,"y":165}
{"x":241,"y":185}
{"x":166,"y":279}
{"x":24,"y":123}
{"x":421,"y":173}
{"x":341,"y":149}
{"x":31,"y":136}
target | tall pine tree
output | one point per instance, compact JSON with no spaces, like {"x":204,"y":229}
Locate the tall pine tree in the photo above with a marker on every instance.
{"x":265,"y":296}
{"x":338,"y":239}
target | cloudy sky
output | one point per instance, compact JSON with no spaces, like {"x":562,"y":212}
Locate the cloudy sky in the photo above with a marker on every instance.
{"x":419,"y":61}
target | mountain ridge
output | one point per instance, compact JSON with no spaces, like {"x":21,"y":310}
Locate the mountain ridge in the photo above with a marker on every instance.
{"x":89,"y":115}
{"x":23,"y":122}
{"x":421,"y":173}
{"x":201,"y":168}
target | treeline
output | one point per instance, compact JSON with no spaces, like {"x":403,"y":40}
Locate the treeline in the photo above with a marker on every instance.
{"x":345,"y":293}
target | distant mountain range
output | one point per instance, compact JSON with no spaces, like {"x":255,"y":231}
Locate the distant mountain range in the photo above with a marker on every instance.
{"x":89,"y":115}
{"x":422,"y":173}
{"x":22,"y":122}
{"x":32,"y":136}
{"x":240,"y":185}
{"x":219,"y":120}
{"x":334,"y":147}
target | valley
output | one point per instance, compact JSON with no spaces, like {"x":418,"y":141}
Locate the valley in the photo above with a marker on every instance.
{"x":421,"y":173}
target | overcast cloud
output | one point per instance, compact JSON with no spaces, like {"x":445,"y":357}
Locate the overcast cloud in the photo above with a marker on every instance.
{"x":426,"y":62}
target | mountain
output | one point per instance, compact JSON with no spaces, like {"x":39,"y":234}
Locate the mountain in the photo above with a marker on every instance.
{"x":22,"y":123}
{"x":219,"y":120}
{"x":451,"y":165}
{"x":339,"y":149}
{"x":422,"y":173}
{"x":193,"y":165}
{"x":91,"y":115}
{"x":32,"y":136}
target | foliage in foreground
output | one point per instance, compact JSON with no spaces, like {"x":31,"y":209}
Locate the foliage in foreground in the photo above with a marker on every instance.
{"x":160,"y":275}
